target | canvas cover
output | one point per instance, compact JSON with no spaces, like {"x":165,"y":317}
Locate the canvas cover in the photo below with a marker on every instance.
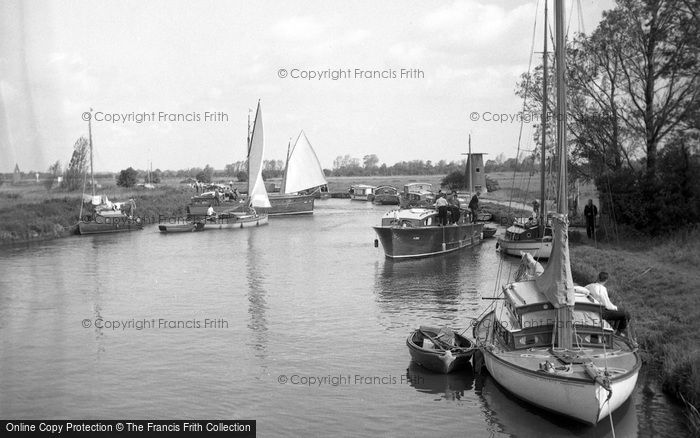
{"x":556,"y":282}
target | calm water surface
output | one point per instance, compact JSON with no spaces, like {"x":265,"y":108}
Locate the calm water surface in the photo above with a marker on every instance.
{"x":302,"y":298}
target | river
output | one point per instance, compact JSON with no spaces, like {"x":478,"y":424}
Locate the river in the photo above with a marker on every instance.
{"x":300,"y":325}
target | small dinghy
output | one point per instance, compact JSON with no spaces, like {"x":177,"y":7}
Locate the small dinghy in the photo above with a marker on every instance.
{"x":489,"y":231}
{"x":182,"y":228}
{"x":440,"y":350}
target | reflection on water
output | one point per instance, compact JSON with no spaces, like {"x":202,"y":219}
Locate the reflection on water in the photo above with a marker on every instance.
{"x":257,"y":305}
{"x":307,"y":296}
{"x":453,"y":386}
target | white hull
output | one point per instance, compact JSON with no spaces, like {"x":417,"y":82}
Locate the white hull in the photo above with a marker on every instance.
{"x":574,"y":398}
{"x":245,"y":221}
{"x":537,"y":248}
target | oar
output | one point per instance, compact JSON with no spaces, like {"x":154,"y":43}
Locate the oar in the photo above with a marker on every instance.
{"x":440,"y":343}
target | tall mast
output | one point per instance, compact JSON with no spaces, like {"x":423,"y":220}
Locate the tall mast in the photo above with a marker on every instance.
{"x":469,"y":161}
{"x":92,"y":175}
{"x":564,"y":313}
{"x":544,"y":122}
{"x":247,"y":160}
{"x":283,"y":189}
{"x":562,"y":201}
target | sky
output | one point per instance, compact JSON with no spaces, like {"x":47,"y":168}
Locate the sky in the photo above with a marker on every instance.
{"x":172,"y":83}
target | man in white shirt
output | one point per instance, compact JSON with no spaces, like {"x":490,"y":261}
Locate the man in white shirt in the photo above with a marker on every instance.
{"x":617,"y":318}
{"x":441,"y":206}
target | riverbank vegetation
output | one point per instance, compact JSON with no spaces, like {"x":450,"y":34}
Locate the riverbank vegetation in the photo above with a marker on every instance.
{"x":30,"y":212}
{"x":656,"y":280}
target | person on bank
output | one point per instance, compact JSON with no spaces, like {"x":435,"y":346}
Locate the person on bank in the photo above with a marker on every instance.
{"x":617,"y":317}
{"x":590,"y":211}
{"x":441,"y":205}
{"x":474,"y":205}
{"x":454,"y":208}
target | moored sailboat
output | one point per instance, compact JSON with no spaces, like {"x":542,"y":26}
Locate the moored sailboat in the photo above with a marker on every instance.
{"x":533,"y":237}
{"x":106,"y":216}
{"x":544,"y":341}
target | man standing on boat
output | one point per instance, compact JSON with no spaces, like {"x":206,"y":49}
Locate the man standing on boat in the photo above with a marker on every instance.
{"x":454,"y":207}
{"x":441,"y":205}
{"x":474,"y":205}
{"x":617,"y":317}
{"x":590,"y":211}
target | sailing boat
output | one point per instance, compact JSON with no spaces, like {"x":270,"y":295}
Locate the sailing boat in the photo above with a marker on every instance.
{"x":257,"y":194}
{"x":302,"y":173}
{"x":106,"y":216}
{"x":534,"y":238}
{"x":545,"y":341}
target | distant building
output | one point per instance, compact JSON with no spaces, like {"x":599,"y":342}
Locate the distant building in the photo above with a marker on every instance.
{"x":478,"y":174}
{"x":17,"y":175}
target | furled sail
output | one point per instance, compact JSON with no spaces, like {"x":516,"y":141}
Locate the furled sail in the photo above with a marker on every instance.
{"x":257,"y":195}
{"x":303,"y":169}
{"x":556,"y":282}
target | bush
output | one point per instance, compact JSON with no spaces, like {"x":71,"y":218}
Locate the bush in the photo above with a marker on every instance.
{"x":127,"y":177}
{"x":655,"y":204}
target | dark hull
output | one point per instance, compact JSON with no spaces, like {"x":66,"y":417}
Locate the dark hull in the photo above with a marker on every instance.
{"x":387,"y":199}
{"x":489,"y":232}
{"x":289,"y":204}
{"x":427,"y":241}
{"x":111,"y":225}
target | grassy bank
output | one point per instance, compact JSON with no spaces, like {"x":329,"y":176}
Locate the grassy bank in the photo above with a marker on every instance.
{"x":658,"y":284}
{"x":33,"y":213}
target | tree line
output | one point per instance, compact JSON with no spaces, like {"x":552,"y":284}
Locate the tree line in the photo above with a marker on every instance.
{"x":634,"y":111}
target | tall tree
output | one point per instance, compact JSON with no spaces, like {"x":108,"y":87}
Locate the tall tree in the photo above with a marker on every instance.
{"x":77,"y":167}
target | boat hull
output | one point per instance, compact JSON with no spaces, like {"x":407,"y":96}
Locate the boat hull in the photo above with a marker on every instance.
{"x":582,"y":401}
{"x":387,"y":199}
{"x":181,"y":228}
{"x":238,"y":221}
{"x":110,"y":225}
{"x":489,"y":231}
{"x":439,"y":361}
{"x":412,"y":242}
{"x":538,"y":248}
{"x":572,"y":395}
{"x":289,"y":205}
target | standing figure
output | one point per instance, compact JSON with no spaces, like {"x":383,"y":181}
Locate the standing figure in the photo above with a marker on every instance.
{"x":590,"y":211}
{"x":474,"y":205}
{"x":441,"y":205}
{"x":454,"y":208}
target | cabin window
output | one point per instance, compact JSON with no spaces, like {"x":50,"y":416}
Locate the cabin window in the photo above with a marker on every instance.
{"x":429,"y":221}
{"x":533,"y":340}
{"x":594,"y":339}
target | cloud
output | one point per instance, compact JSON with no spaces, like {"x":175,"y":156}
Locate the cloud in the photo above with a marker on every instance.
{"x":298,"y":28}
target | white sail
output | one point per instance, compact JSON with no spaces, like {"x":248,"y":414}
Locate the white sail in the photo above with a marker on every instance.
{"x":257,"y":195}
{"x":303,"y":168}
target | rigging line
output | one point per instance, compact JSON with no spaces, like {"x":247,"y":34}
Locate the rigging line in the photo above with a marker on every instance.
{"x":527,"y":87}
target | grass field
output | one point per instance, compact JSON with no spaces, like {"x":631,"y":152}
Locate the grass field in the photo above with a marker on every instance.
{"x":658,"y":284}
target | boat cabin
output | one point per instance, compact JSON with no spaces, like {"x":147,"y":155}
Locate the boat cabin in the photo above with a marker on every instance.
{"x":417,"y":188}
{"x":529,"y":320}
{"x":415,"y":218}
{"x":529,"y":229}
{"x":386,"y":191}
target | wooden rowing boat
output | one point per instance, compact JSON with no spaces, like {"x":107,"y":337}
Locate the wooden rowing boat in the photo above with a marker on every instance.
{"x":439,"y":350}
